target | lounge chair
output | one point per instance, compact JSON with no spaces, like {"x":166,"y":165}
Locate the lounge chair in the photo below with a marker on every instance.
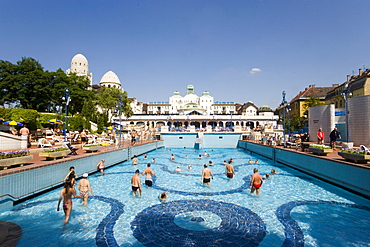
{"x":43,"y":143}
{"x":70,"y":147}
{"x":364,"y":149}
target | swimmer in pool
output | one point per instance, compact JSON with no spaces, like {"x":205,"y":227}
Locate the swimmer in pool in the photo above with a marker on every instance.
{"x":136,"y":184}
{"x":206,"y":176}
{"x":256,"y":182}
{"x":66,"y":194}
{"x":230,"y":170}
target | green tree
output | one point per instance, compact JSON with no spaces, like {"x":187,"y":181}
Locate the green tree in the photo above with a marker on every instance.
{"x":78,"y":92}
{"x":25,"y":84}
{"x":310,"y":102}
{"x":109,"y":101}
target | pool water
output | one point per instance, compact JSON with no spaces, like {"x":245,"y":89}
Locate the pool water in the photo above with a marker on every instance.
{"x":294,"y":209}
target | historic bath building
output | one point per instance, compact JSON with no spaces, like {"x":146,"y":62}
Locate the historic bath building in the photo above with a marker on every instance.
{"x":185,"y":111}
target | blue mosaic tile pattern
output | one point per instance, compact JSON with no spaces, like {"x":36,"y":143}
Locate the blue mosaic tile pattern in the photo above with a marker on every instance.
{"x":155,"y":225}
{"x":293,"y":233}
{"x":105,"y":234}
{"x":244,"y":186}
{"x":165,"y":169}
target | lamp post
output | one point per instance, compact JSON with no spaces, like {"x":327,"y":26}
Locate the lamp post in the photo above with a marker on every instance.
{"x":120,"y":119}
{"x":67,"y":99}
{"x":288,"y":109}
{"x":284,"y":117}
{"x":345,"y":95}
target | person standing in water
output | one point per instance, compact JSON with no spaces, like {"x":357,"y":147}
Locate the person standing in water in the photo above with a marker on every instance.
{"x":66,"y":194}
{"x":136,"y":184}
{"x":230,"y":170}
{"x":148,"y":172}
{"x":84,"y":188}
{"x":256,"y":182}
{"x":101,"y":166}
{"x":206,"y":176}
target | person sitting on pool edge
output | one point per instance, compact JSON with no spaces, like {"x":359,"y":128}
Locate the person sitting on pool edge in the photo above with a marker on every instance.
{"x":136,"y":184}
{"x":256,"y":182}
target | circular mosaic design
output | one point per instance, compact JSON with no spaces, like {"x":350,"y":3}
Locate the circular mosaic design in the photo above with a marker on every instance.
{"x":239,"y":226}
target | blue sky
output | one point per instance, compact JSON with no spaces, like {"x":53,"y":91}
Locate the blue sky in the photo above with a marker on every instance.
{"x":237,"y":50}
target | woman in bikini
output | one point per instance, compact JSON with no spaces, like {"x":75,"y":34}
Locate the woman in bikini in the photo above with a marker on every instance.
{"x":84,"y":188}
{"x":67,"y":193}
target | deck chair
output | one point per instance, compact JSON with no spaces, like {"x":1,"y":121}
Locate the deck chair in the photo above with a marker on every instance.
{"x":70,"y":147}
{"x":75,"y":138}
{"x":42,"y":143}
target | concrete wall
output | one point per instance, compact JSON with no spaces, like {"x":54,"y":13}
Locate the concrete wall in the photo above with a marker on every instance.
{"x":205,"y":140}
{"x":335,"y":172}
{"x":322,"y":116}
{"x":12,"y":142}
{"x":179,"y":140}
{"x":359,"y":118}
{"x":24,"y":184}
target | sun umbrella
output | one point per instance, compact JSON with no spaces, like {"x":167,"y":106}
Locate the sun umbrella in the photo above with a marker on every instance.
{"x":111,"y":128}
{"x":12,"y":122}
{"x":55,"y":121}
{"x":114,"y":123}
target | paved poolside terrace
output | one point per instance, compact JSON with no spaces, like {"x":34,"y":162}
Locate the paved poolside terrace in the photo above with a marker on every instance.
{"x":10,"y":233}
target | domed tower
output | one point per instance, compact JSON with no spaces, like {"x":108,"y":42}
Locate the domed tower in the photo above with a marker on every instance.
{"x":110,"y":79}
{"x":80,"y":66}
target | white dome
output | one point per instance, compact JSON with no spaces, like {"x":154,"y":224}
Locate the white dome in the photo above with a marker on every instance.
{"x":79,"y":65}
{"x":110,"y":79}
{"x":79,"y":60}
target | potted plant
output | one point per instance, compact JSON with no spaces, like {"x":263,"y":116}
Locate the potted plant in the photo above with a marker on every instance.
{"x":355,"y":155}
{"x":54,"y":153}
{"x":10,"y":158}
{"x":320,"y":149}
{"x":89,"y":148}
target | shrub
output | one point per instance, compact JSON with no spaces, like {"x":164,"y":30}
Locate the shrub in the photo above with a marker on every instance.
{"x":13,"y":154}
{"x":52,"y":150}
{"x":319,"y":146}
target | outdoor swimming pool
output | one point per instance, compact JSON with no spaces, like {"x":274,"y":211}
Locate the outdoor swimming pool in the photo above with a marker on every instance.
{"x":294,"y":209}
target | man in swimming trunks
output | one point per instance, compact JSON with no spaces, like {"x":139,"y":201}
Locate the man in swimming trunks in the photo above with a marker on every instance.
{"x":136,"y":184}
{"x":101,"y":166}
{"x":256,"y":182}
{"x":148,"y":172}
{"x":230,"y":170}
{"x":84,"y":188}
{"x":206,"y":176}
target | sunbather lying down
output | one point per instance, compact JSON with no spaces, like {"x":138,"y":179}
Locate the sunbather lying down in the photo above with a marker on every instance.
{"x":364,"y":149}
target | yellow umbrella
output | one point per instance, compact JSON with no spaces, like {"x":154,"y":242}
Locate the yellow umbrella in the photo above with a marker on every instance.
{"x":12,"y":122}
{"x":55,"y":121}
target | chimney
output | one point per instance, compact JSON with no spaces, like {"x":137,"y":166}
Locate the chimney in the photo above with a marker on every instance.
{"x":348,"y":77}
{"x":360,"y":72}
{"x":335,"y":85}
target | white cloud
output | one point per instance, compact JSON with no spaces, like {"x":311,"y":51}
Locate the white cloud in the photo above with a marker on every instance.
{"x":254,"y":70}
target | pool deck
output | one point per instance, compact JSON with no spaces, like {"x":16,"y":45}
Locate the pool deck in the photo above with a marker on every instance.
{"x":38,"y":162}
